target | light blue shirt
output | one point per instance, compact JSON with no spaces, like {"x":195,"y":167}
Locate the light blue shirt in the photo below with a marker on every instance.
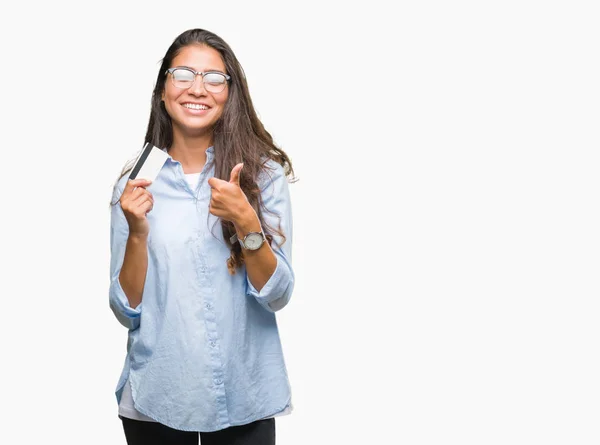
{"x":203,"y":349}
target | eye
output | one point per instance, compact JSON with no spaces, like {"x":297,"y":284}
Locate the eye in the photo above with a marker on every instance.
{"x":214,"y":79}
{"x":182,"y":75}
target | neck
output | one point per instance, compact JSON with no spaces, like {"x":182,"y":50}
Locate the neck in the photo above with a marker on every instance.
{"x":190,"y":151}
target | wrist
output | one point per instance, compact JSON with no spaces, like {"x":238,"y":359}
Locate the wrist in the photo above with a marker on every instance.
{"x":247,"y":222}
{"x":138,"y":238}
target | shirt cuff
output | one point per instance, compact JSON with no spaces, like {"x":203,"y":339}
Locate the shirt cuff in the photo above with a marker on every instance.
{"x":272,"y":294}
{"x":127,"y":316}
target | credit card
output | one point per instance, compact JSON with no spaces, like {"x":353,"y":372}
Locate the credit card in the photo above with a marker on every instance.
{"x":149,"y":163}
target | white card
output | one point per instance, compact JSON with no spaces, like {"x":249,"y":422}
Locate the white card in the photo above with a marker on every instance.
{"x":149,"y":163}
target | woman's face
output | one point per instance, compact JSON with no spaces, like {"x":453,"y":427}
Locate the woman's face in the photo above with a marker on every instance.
{"x":182,"y":103}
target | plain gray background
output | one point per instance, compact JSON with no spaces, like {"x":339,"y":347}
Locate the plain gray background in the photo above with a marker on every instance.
{"x":445,"y":222}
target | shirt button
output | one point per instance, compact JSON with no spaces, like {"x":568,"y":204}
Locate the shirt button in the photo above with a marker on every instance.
{"x":213,"y":343}
{"x":207,"y":305}
{"x":218,"y":381}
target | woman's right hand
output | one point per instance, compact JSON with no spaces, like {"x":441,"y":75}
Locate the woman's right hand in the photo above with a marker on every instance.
{"x":136,"y":202}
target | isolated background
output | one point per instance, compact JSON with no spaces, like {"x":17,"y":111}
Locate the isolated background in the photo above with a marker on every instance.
{"x":446,"y":219}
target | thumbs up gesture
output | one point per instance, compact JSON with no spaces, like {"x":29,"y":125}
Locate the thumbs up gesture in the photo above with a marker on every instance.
{"x":228,"y":201}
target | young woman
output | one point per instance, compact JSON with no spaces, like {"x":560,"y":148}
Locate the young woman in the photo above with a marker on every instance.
{"x":201,"y":261}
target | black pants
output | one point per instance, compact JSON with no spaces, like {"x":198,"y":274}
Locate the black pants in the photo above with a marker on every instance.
{"x":137,"y":432}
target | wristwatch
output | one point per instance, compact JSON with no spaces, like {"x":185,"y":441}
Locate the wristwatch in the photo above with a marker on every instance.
{"x":253,"y":240}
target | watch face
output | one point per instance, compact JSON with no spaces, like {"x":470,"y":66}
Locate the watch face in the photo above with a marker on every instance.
{"x":253,"y":241}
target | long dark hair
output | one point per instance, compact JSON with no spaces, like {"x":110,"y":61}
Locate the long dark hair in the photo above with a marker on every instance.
{"x":238,"y":135}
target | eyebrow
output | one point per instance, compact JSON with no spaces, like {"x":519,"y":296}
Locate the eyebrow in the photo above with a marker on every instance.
{"x":210,"y":70}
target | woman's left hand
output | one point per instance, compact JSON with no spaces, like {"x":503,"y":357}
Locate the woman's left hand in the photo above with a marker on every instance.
{"x":228,"y":201}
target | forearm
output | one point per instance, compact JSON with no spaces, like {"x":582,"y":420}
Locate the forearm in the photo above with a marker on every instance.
{"x":133,"y":271}
{"x":261,"y":263}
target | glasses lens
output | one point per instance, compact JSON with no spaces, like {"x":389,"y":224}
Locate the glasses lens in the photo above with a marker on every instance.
{"x":214,"y":82}
{"x":183,"y":78}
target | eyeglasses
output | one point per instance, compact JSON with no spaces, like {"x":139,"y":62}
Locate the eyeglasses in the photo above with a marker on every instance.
{"x":214,"y":81}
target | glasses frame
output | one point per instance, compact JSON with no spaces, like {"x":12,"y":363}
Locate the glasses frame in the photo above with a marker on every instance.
{"x":196,"y":73}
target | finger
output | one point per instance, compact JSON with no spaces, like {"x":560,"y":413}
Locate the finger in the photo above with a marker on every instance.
{"x":142,"y":199}
{"x":219,"y":199}
{"x":216,"y":205}
{"x":212,"y":208}
{"x":143,"y":207}
{"x":215,"y":195}
{"x":235,"y":174}
{"x":133,"y":183}
{"x":219,"y":213}
{"x":133,"y":196}
{"x":129,"y":204}
{"x":148,"y":206}
{"x":139,"y":192}
{"x":215,"y":183}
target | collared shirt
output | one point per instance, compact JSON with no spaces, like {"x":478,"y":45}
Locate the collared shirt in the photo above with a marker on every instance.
{"x":203,"y":349}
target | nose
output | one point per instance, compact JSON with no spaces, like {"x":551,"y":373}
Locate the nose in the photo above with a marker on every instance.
{"x":197,"y":87}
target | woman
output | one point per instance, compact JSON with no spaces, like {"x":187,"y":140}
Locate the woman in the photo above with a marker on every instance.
{"x":201,"y":261}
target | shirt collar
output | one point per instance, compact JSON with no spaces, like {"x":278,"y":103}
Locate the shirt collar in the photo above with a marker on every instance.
{"x":210,"y":151}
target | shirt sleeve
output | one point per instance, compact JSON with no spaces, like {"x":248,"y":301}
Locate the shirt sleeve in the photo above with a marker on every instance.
{"x":119,"y":232}
{"x":277,"y":214}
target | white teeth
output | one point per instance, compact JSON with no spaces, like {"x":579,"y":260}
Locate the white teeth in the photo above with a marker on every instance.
{"x":196,"y":106}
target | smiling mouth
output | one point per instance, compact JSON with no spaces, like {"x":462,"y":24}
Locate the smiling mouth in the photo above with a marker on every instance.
{"x":195,"y":107}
